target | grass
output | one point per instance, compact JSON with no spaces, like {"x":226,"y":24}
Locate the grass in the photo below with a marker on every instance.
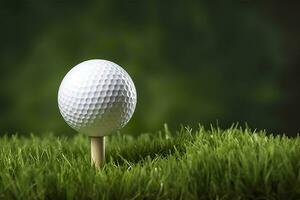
{"x":203,"y":164}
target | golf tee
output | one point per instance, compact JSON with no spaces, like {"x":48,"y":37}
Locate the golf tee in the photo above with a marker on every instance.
{"x":97,"y":151}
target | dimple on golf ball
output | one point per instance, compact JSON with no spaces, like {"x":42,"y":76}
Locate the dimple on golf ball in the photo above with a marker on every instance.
{"x":97,"y":97}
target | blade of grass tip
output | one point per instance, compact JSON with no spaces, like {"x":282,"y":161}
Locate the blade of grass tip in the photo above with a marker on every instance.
{"x":167,"y":131}
{"x":67,"y":160}
{"x":188,"y":130}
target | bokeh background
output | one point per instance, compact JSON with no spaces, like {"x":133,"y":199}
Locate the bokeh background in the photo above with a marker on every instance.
{"x":192,"y":61}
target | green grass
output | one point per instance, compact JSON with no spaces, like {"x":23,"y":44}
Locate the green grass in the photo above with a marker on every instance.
{"x":202,"y":164}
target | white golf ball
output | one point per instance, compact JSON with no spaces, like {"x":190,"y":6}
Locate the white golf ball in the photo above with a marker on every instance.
{"x":97,"y":97}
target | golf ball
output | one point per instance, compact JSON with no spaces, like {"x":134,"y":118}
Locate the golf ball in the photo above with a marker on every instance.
{"x":97,"y":97}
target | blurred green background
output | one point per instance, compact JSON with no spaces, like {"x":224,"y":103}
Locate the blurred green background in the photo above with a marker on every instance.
{"x":192,"y":61}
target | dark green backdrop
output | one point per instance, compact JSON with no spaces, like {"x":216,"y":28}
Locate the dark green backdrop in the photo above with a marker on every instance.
{"x":191,"y":61}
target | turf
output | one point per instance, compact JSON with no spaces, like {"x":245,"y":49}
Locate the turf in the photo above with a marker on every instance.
{"x":202,"y":164}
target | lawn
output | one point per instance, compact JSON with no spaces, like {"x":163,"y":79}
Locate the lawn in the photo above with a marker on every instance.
{"x":209,"y":163}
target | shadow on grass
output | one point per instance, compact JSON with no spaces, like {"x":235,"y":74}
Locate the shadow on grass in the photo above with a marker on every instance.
{"x":145,"y":147}
{"x":126,"y":156}
{"x":140,"y":152}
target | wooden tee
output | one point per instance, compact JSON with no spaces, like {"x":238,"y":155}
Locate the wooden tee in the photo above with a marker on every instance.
{"x":97,"y":151}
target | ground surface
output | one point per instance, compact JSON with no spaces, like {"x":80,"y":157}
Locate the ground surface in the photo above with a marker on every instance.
{"x":201,"y":164}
